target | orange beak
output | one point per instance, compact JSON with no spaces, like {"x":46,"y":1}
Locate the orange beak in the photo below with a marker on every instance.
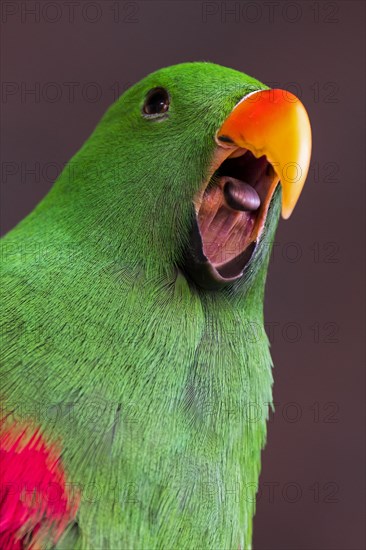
{"x":273,"y":123}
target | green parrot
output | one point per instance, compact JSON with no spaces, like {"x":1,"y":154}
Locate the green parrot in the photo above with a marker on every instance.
{"x":133,"y":347}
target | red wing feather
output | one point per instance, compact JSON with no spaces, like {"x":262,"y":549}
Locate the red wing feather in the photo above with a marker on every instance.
{"x":35,"y":504}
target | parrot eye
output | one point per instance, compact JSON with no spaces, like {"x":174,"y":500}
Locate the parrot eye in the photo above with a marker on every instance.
{"x":156,"y":103}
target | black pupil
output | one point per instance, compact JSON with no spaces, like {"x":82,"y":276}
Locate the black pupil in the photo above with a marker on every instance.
{"x":157,"y":102}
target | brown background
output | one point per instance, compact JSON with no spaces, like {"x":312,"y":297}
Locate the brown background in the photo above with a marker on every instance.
{"x":314,"y":459}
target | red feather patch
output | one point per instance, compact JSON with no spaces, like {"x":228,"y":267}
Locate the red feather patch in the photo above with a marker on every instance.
{"x":34,"y":502}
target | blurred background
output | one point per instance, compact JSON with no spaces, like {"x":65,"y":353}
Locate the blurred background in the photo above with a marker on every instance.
{"x":64,"y":63}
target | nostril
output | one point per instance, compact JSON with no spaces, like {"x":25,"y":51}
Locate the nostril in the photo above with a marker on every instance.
{"x":225,"y":139}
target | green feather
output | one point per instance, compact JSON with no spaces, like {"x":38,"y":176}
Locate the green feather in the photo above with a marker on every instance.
{"x":146,"y":380}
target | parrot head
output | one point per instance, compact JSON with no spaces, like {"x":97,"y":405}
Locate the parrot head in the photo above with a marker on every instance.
{"x":203,"y":152}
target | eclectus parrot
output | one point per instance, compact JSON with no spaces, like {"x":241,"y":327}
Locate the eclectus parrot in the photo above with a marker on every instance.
{"x":132,"y":325}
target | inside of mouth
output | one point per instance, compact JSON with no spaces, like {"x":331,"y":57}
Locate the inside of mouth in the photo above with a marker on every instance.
{"x":233,"y":211}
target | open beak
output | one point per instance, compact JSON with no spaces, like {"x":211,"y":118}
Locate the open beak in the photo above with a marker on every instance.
{"x":266,"y":140}
{"x":273,"y":123}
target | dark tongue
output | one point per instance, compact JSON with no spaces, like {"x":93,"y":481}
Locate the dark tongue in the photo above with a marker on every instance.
{"x":239,"y":195}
